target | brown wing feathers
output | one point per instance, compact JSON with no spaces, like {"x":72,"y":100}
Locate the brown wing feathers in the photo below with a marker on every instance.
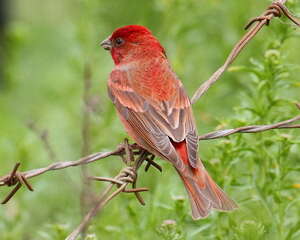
{"x":169,"y":120}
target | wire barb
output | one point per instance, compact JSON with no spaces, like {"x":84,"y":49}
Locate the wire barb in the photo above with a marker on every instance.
{"x":276,"y":9}
{"x":126,"y":176}
{"x":14,"y":178}
{"x":150,"y":163}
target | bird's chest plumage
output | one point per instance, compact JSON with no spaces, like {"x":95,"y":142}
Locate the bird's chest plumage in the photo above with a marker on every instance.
{"x":154,"y":108}
{"x":151,"y":80}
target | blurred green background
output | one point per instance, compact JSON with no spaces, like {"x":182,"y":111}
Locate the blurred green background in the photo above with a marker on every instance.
{"x":49,"y":53}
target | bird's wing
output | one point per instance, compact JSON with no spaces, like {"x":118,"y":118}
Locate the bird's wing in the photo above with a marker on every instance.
{"x":156,"y":108}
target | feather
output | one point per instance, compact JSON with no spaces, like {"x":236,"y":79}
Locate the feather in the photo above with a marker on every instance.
{"x":156,"y":105}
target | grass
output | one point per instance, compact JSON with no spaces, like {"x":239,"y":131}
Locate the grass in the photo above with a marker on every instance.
{"x":47,"y":46}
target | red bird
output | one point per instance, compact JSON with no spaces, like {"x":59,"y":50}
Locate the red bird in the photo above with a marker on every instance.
{"x":156,"y":112}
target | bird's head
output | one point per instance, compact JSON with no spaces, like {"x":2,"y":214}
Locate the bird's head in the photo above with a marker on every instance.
{"x":132,"y":42}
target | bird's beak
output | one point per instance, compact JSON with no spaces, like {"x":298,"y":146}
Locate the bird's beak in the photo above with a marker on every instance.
{"x":106,"y":44}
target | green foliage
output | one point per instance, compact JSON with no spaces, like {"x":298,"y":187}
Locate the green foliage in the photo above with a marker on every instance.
{"x":168,"y":230}
{"x":47,"y":48}
{"x":263,"y":165}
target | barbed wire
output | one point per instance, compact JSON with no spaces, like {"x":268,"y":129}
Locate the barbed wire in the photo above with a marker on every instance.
{"x":253,"y":129}
{"x":16,"y":177}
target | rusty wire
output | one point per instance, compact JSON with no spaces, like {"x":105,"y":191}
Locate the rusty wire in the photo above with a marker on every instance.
{"x":253,"y":129}
{"x":126,"y":176}
{"x":20,"y":178}
{"x":276,"y":9}
{"x":14,"y":178}
{"x":133,"y":155}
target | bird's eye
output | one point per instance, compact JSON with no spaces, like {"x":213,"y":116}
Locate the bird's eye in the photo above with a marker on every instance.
{"x":119,"y":41}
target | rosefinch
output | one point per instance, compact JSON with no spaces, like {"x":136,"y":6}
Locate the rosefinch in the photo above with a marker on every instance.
{"x":156,"y":112}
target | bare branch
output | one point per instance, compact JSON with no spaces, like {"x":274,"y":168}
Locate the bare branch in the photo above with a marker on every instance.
{"x":86,"y":194}
{"x":276,"y":9}
{"x":43,"y":135}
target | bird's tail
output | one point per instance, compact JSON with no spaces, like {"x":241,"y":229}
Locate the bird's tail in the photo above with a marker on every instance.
{"x":204,"y":193}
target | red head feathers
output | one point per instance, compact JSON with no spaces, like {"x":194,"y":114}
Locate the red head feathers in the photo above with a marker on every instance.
{"x":130,"y":32}
{"x":132,"y":42}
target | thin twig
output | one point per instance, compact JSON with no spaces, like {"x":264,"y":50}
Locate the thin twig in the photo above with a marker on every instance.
{"x":44,"y":137}
{"x":261,"y":21}
{"x":85,"y":126}
{"x":86,"y":194}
